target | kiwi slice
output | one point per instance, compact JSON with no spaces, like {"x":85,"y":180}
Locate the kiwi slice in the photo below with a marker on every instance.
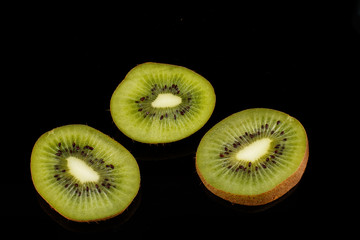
{"x":161,"y":103}
{"x":84,"y":174}
{"x":253,"y":157}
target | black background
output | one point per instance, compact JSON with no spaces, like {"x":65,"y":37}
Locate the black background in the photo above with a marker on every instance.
{"x":65,"y":62}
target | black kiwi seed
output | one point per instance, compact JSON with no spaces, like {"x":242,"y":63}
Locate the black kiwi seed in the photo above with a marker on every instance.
{"x":147,"y":109}
{"x":243,"y":141}
{"x":85,"y":153}
{"x":88,"y":147}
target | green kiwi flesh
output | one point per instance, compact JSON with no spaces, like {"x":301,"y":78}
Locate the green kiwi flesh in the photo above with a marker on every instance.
{"x":161,"y":103}
{"x":84,"y":174}
{"x":253,"y":157}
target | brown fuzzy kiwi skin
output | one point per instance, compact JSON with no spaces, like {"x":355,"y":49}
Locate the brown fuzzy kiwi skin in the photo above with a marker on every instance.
{"x":266,"y":197}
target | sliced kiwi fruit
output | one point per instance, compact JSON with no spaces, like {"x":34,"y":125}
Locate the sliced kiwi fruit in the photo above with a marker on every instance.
{"x":161,"y":103}
{"x":84,"y":174}
{"x":253,"y":157}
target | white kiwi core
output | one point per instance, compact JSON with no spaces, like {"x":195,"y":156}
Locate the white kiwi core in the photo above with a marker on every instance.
{"x":166,"y":100}
{"x":81,"y":171}
{"x":254,"y":151}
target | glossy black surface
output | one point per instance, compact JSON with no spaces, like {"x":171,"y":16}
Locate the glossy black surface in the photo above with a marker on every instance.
{"x":68,"y":63}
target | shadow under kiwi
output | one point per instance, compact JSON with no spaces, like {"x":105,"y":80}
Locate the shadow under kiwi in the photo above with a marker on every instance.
{"x":244,"y":209}
{"x":112,"y":224}
{"x":162,"y":151}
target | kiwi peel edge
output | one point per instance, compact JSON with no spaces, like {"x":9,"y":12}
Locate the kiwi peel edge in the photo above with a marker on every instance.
{"x":266,"y":197}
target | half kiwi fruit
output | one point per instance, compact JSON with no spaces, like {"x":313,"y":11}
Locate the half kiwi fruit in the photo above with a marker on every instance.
{"x":253,"y":157}
{"x":161,"y":103}
{"x":84,"y":174}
